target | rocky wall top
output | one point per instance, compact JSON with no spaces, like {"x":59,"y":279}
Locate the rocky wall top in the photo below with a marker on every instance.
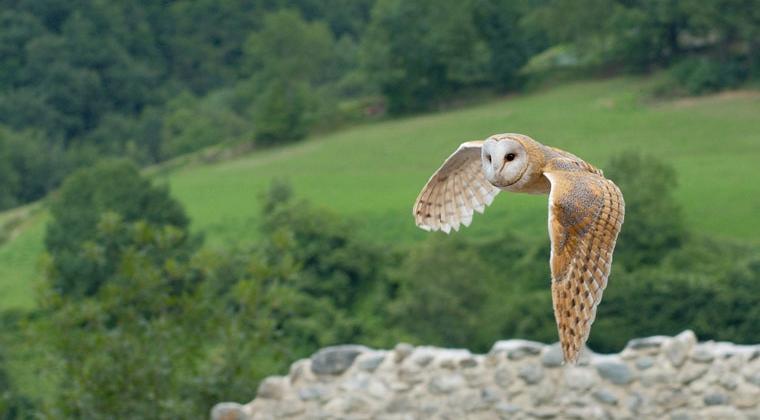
{"x":654,"y":377}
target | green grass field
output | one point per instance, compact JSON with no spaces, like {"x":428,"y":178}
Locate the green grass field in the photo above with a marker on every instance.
{"x":373,"y":172}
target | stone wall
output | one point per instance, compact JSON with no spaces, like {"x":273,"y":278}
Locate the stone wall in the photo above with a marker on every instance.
{"x":655,"y":377}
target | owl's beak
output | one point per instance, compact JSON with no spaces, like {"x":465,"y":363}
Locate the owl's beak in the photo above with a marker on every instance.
{"x":493,"y":156}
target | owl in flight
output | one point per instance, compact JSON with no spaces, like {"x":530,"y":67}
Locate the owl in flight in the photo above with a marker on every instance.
{"x":585,"y":215}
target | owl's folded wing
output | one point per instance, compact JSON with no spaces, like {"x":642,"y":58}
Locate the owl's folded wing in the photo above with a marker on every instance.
{"x":456,"y":189}
{"x":585,"y":216}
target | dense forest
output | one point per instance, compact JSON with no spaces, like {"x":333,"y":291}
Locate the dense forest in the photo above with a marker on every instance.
{"x":139,"y":318}
{"x":151,"y":80}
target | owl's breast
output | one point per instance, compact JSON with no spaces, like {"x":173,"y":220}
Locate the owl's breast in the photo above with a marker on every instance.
{"x":533,"y":183}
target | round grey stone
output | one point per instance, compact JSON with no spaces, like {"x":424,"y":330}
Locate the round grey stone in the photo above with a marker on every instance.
{"x":616,"y":372}
{"x":399,"y":404}
{"x":579,"y":379}
{"x":754,"y":378}
{"x":335,"y":360}
{"x":542,"y":394}
{"x":503,"y":377}
{"x":544,"y":412}
{"x":370,"y":364}
{"x":604,"y":396}
{"x":506,"y":410}
{"x":402,"y":350}
{"x":644,"y":362}
{"x":272,"y":388}
{"x":517,"y":349}
{"x":227,"y":411}
{"x":468,"y":362}
{"x":729,"y":381}
{"x":715,"y":398}
{"x":552,"y":356}
{"x":313,"y":393}
{"x":489,"y":395}
{"x":691,"y":373}
{"x":635,"y":402}
{"x":288,"y":408}
{"x":679,"y":347}
{"x":681,"y":415}
{"x":671,"y":399}
{"x":445,"y":384}
{"x":702,"y":355}
{"x":531,"y":373}
{"x":585,"y":413}
{"x":654,"y":342}
{"x":423,"y":359}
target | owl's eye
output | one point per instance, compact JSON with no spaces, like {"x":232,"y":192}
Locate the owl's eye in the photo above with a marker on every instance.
{"x":510,"y":157}
{"x":489,"y":158}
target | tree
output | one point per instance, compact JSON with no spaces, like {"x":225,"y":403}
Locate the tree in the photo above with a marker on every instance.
{"x":288,"y":47}
{"x":445,"y":295}
{"x":168,"y":336}
{"x":447,"y":52}
{"x":90,"y":203}
{"x":287,"y":59}
{"x":126,"y":346}
{"x":344,"y":17}
{"x":653,"y":218}
{"x":190,"y":123}
{"x":335,"y":263}
{"x":9,"y":187}
{"x":205,"y":39}
{"x":281,"y":113}
{"x":511,"y":43}
{"x":18,"y":28}
{"x":29,"y":166}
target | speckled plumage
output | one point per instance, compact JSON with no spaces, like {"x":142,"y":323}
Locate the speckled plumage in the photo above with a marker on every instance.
{"x":586,"y":212}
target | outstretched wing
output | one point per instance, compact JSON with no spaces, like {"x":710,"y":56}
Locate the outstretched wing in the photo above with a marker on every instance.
{"x":586,"y":212}
{"x":456,"y":189}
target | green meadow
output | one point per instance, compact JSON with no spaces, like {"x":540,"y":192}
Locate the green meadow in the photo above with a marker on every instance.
{"x":373,"y":172}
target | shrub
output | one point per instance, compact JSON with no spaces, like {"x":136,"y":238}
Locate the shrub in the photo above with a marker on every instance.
{"x":281,"y":113}
{"x":85,"y":233}
{"x":653,"y":218}
{"x":699,"y":75}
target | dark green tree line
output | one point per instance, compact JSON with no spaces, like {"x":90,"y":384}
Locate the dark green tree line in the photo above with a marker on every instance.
{"x":87,"y":79}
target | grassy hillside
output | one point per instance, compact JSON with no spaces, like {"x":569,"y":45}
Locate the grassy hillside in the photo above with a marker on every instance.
{"x":374,"y":172}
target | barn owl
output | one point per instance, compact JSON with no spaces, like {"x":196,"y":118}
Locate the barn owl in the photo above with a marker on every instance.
{"x":585,"y":215}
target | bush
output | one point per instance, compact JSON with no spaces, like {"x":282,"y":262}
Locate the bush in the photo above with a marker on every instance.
{"x":288,"y":59}
{"x":718,"y":304}
{"x":168,"y":335}
{"x":29,"y":166}
{"x":191,"y":124}
{"x":281,"y":113}
{"x":699,"y":75}
{"x":457,"y":293}
{"x":336,"y":266}
{"x":85,"y":234}
{"x":653,"y":224}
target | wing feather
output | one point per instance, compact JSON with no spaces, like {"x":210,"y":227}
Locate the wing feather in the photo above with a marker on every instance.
{"x":445,"y":215}
{"x":586,"y":212}
{"x":455,"y":190}
{"x":463,"y":207}
{"x":456,"y":203}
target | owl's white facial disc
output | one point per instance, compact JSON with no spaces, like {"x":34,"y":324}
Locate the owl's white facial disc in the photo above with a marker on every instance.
{"x":504,"y":161}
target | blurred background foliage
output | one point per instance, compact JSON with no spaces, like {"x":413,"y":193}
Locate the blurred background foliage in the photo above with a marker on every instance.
{"x":87,"y":79}
{"x":138,"y":316}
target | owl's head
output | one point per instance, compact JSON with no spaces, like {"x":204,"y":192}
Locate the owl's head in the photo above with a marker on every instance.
{"x":505,"y":160}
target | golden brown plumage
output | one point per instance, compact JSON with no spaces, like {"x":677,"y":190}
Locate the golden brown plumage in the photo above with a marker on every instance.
{"x":586,"y":213}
